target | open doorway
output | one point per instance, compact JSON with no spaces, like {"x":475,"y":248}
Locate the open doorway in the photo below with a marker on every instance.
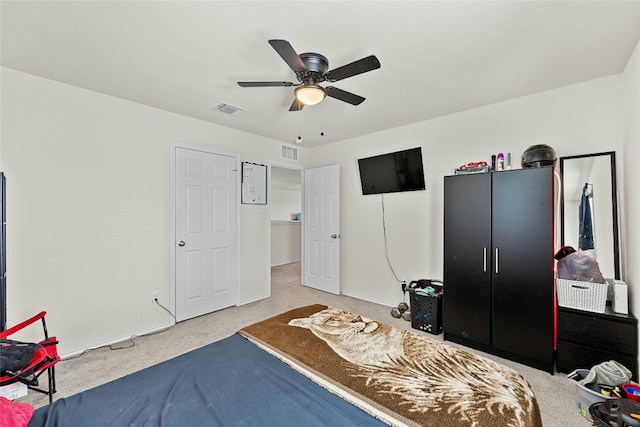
{"x":286,"y":215}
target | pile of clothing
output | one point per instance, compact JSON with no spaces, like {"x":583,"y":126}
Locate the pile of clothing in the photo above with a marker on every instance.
{"x":611,"y":380}
{"x":581,"y":266}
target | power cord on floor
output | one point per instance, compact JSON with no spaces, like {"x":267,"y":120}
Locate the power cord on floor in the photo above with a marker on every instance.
{"x":131,"y":339}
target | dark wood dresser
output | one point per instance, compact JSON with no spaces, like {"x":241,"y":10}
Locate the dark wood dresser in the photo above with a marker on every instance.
{"x":586,"y":339}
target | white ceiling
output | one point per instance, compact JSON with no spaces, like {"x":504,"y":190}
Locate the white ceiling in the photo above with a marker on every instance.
{"x":437,"y":58}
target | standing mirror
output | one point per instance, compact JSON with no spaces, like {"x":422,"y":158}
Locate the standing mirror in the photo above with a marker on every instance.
{"x":589,"y":208}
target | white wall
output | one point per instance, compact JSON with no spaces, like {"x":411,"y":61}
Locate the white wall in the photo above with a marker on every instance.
{"x":577,"y":119}
{"x":285,"y":203}
{"x":88,"y":208}
{"x":286,"y":244}
{"x":631,"y":178}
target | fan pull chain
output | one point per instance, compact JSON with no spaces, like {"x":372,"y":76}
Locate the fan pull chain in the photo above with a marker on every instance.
{"x":322,"y":118}
{"x":299,"y":140}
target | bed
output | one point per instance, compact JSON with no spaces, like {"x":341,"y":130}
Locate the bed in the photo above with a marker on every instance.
{"x":315,"y":366}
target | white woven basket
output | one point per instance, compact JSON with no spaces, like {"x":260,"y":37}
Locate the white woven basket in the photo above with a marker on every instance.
{"x":586,"y":296}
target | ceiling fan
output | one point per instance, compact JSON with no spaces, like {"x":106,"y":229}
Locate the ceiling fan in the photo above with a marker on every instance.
{"x":311,"y":69}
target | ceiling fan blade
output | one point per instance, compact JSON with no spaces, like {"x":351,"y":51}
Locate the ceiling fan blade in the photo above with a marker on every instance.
{"x":358,"y":67}
{"x":296,"y":105}
{"x":286,"y":51}
{"x":264,"y":84}
{"x":343,"y":95}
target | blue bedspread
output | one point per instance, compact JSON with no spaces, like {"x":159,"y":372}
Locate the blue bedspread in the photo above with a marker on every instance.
{"x":231,"y":382}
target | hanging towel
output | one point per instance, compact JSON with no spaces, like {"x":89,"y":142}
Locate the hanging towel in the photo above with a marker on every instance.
{"x":585,"y":232}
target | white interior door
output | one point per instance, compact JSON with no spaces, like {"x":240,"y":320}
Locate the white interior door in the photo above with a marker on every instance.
{"x":206,"y":232}
{"x":321,"y":221}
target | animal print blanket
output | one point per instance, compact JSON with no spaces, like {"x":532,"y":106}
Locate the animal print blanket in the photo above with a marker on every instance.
{"x":401,"y":377}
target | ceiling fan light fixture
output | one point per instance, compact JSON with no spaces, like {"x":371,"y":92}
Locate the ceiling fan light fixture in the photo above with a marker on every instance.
{"x":310,"y":94}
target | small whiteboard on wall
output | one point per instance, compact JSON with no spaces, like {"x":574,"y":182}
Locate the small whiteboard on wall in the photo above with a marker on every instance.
{"x":254,"y":184}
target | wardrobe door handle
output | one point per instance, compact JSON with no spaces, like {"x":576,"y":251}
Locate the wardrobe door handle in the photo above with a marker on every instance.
{"x":496,"y":260}
{"x":484,"y":259}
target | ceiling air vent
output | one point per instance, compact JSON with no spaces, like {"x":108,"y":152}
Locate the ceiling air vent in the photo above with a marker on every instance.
{"x":288,"y":152}
{"x":233,"y":110}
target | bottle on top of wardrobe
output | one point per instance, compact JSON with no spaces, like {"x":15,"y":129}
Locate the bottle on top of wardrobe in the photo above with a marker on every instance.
{"x":500,"y":162}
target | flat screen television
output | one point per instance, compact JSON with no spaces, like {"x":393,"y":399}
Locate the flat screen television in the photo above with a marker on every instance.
{"x":392,"y":172}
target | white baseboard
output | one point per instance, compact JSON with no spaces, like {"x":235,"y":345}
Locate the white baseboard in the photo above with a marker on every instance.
{"x":367,"y":299}
{"x":285,"y":262}
{"x":119,"y":340}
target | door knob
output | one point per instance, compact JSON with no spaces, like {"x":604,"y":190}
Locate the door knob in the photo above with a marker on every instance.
{"x":181,"y":243}
{"x":335,"y":236}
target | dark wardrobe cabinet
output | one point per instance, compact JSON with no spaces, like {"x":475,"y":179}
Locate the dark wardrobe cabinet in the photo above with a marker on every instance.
{"x":498,"y":264}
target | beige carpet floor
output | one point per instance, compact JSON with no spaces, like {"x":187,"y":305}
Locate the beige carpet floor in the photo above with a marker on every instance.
{"x":555,"y":393}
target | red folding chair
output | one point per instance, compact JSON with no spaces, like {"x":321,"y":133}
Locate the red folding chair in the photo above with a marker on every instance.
{"x":44,"y":359}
